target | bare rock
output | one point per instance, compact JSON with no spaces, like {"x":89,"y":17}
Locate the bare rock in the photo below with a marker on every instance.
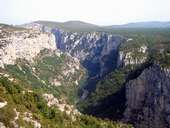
{"x":148,"y":99}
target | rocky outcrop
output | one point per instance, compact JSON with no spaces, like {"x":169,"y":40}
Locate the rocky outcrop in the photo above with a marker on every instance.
{"x":28,"y":117}
{"x":64,"y":73}
{"x":3,"y":104}
{"x":7,"y":76}
{"x":134,"y":56}
{"x":24,"y":44}
{"x":2,"y":125}
{"x":148,"y":98}
{"x":61,"y":104}
{"x":14,"y":122}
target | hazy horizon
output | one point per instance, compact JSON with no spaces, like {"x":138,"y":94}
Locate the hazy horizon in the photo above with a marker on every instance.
{"x":103,"y":12}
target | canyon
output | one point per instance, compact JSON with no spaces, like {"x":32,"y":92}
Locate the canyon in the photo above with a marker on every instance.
{"x":74,"y":66}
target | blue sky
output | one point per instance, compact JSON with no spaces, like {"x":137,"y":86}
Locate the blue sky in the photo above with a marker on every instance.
{"x":101,"y":12}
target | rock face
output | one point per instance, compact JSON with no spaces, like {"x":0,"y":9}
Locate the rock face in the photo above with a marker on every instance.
{"x":87,"y":46}
{"x":134,"y":56}
{"x":148,"y":99}
{"x":97,"y":52}
{"x":3,"y":104}
{"x":61,"y":104}
{"x":23,"y":44}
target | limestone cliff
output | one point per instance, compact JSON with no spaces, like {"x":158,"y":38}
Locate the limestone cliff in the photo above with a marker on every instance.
{"x":32,"y":56}
{"x":97,"y":51}
{"x":148,"y":98}
{"x":25,"y":44}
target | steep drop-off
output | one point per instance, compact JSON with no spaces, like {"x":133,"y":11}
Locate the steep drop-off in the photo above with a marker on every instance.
{"x":98,"y":52}
{"x":32,"y":56}
{"x":148,"y":99}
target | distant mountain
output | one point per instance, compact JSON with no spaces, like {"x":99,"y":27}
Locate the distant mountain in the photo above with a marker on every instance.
{"x":70,"y":25}
{"x":80,"y":26}
{"x":151,"y":24}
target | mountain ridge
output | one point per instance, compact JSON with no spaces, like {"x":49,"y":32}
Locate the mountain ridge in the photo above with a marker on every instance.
{"x":81,"y":26}
{"x":146,"y":24}
{"x":142,"y":24}
{"x":70,"y":25}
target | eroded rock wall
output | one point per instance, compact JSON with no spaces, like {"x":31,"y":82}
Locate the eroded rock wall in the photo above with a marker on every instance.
{"x":148,"y":99}
{"x":23,"y":44}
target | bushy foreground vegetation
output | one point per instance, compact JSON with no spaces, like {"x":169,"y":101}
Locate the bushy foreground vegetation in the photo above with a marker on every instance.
{"x":24,"y":100}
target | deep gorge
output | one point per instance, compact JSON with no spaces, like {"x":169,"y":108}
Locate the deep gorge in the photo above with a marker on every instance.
{"x":99,"y":55}
{"x":97,"y":52}
{"x":78,"y":74}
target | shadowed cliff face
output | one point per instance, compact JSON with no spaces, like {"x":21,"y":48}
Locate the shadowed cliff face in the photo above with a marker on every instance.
{"x":148,"y":98}
{"x":98,"y":52}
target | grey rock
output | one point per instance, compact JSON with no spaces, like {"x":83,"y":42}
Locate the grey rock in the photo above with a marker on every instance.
{"x":148,"y":99}
{"x":96,"y":51}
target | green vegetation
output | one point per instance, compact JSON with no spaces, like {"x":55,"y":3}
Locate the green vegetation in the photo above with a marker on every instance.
{"x":46,"y":68}
{"x":143,"y":35}
{"x":23,"y":100}
{"x":160,"y":53}
{"x":37,"y":77}
{"x":73,"y":26}
{"x":108,"y":86}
